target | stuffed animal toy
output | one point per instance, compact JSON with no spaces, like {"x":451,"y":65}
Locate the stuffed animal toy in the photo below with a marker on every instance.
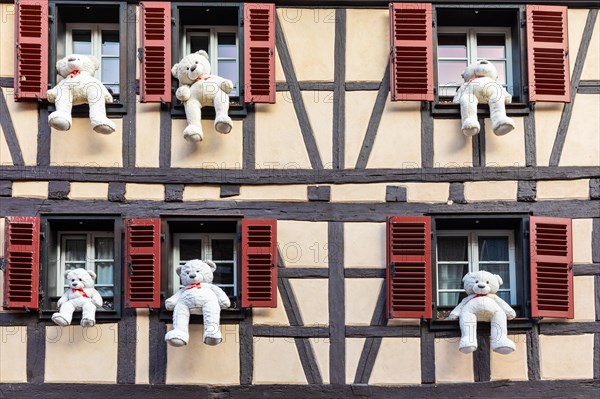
{"x":480,"y":86}
{"x":79,"y":86}
{"x":482,"y":304}
{"x":81,"y":296}
{"x":197,"y":89}
{"x":197,"y":296}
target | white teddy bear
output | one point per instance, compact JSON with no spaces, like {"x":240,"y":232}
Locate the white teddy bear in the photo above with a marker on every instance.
{"x":79,"y":86}
{"x":81,"y":296}
{"x":197,"y":89}
{"x":480,"y":86}
{"x":482,"y":304}
{"x":197,"y":296}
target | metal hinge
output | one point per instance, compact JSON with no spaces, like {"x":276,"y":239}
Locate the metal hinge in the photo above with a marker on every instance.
{"x":141,"y":54}
{"x":3,"y":264}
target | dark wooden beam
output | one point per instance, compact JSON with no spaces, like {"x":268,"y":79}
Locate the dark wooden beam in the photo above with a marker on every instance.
{"x":426,"y":136}
{"x":174,"y":192}
{"x":129,"y":119}
{"x":164,"y":155}
{"x":575,"y":328}
{"x":481,"y":359}
{"x":7,"y":82}
{"x":372,"y":344}
{"x":395,"y":194}
{"x":305,"y":272}
{"x":597,"y":356}
{"x":478,"y":145}
{"x":9,"y":132}
{"x":319,"y":193}
{"x":586,"y":269}
{"x":249,"y":139}
{"x":533,"y":354}
{"x":307,"y":86}
{"x":589,"y":87}
{"x":530,"y":144}
{"x":457,"y":193}
{"x":158,"y":351}
{"x":526,"y":191}
{"x":339,"y":92}
{"x":5,"y":188}
{"x":383,"y":331}
{"x":116,"y":192}
{"x":229,"y":190}
{"x":290,"y":331}
{"x":427,"y":354}
{"x":126,"y":356}
{"x":337,"y":312}
{"x":596,"y":239}
{"x":246,"y":349}
{"x":59,"y":190}
{"x":43,"y":136}
{"x":36,"y":352}
{"x":363,"y":86}
{"x":595,"y":189}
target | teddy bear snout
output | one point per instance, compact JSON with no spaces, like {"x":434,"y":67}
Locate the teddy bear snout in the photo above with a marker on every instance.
{"x":192,"y":275}
{"x":193,"y":68}
{"x":481,"y":285}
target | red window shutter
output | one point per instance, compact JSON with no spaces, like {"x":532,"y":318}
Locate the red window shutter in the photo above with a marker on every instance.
{"x":408,"y":274}
{"x":259,"y":52}
{"x":259,"y":263}
{"x":411,"y":60}
{"x":21,"y":282}
{"x":155,"y":37}
{"x":548,"y":53}
{"x":142,"y":281}
{"x":31,"y":58}
{"x":551,"y":267}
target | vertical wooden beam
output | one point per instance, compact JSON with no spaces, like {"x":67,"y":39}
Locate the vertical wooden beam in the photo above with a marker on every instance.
{"x":533,"y":353}
{"x":530,"y":145}
{"x":36,"y":351}
{"x":249,"y":139}
{"x":129,"y":120}
{"x":426,"y":136}
{"x":478,"y":145}
{"x":9,"y":133}
{"x":246,"y":349}
{"x":126,"y":356}
{"x":158,"y":351}
{"x":481,"y":359}
{"x":43,"y":136}
{"x":339,"y":91}
{"x":427,"y":354}
{"x":164,"y":156}
{"x":337,"y":316}
{"x":457,"y":193}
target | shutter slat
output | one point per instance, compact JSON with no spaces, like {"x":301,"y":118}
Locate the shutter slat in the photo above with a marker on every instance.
{"x":31,"y":58}
{"x":155,"y":36}
{"x":21,"y":282}
{"x":408,"y":257}
{"x":259,"y":263}
{"x":551,"y":267}
{"x":411,"y":60}
{"x":259,"y":52}
{"x":142,"y":281}
{"x":548,"y":53}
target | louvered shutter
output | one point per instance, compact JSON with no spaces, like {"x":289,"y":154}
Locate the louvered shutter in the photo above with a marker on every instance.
{"x":21,"y":281}
{"x":31,"y":58}
{"x":408,"y":274}
{"x":551,"y":267}
{"x":259,"y":263}
{"x":411,"y":60}
{"x":155,"y":37}
{"x":548,"y":53}
{"x":259,"y":52}
{"x":142,"y":281}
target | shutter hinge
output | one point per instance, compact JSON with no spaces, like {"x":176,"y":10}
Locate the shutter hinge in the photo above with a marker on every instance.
{"x":163,"y":237}
{"x":390,"y":316}
{"x":3,"y":264}
{"x":130,"y":267}
{"x":173,"y":21}
{"x":433,"y":23}
{"x":392,"y":268}
{"x":523,"y":22}
{"x":140,"y":54}
{"x":42,"y":235}
{"x":51,"y":18}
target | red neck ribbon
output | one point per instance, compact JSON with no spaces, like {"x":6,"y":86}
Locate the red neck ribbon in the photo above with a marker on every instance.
{"x":81,"y":291}
{"x":195,"y":285}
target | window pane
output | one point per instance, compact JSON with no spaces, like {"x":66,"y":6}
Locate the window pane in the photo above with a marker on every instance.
{"x":505,"y":295}
{"x":226,"y":45}
{"x":104,"y":248}
{"x":82,"y":42}
{"x":104,"y":273}
{"x":190,"y":249}
{"x":110,"y":70}
{"x":501,"y":67}
{"x":228,"y":70}
{"x":106,"y":293}
{"x":450,"y":276}
{"x":452,"y":249}
{"x":452,"y":45}
{"x":110,"y":42}
{"x":493,"y":249}
{"x":501,"y":269}
{"x":449,"y":298}
{"x":449,"y":72}
{"x":228,"y":291}
{"x":114,"y":88}
{"x":223,"y":274}
{"x":491,"y":46}
{"x":198,"y":42}
{"x":75,"y":250}
{"x":222,"y":249}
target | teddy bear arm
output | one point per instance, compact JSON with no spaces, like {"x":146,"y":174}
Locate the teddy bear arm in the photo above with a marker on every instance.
{"x":183,"y":93}
{"x":172,"y":301}
{"x":62,"y":300}
{"x":97,"y":299}
{"x":506,"y":308}
{"x":456,"y":311}
{"x":222,"y":297}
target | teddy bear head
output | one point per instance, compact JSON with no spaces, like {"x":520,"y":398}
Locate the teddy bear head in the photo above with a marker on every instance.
{"x":76,"y":62}
{"x":80,"y":278}
{"x":192,"y":67}
{"x":483,"y":68}
{"x":481,"y":282}
{"x":196,"y":271}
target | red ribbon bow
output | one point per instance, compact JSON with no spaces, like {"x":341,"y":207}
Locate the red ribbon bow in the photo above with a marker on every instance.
{"x":75,"y":73}
{"x":198,"y":79}
{"x":477,"y":296}
{"x":195,"y":285}
{"x":81,"y":291}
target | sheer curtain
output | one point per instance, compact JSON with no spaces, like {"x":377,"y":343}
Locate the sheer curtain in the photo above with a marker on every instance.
{"x":451,"y":249}
{"x":104,"y":254}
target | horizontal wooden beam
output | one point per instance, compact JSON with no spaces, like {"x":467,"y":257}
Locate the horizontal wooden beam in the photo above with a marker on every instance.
{"x":382,"y":331}
{"x":574,"y":328}
{"x":587,"y":269}
{"x":260,"y":330}
{"x":303,"y":272}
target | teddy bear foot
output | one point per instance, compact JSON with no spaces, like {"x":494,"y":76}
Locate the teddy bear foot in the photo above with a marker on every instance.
{"x":470,"y":127}
{"x":193,"y":134}
{"x":503,"y":346}
{"x":88,"y":323}
{"x":467,"y":347}
{"x":177,"y":338}
{"x":104,"y":127}
{"x":504,"y":127}
{"x":212,"y":340}
{"x":223,"y":124}
{"x":59,"y":120}
{"x":60,"y":320}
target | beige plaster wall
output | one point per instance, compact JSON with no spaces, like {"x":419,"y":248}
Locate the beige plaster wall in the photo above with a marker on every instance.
{"x":582,"y":240}
{"x":5,"y":157}
{"x":491,"y":191}
{"x":582,"y":144}
{"x":30,"y":189}
{"x":513,"y":366}
{"x":197,"y":363}
{"x":135,"y":191}
{"x":25,"y":120}
{"x":427,"y":192}
{"x":547,"y":118}
{"x":310,"y":36}
{"x":13,"y":354}
{"x":398,"y":362}
{"x":360,"y":46}
{"x":147,"y":137}
{"x":451,"y":148}
{"x":312,"y":298}
{"x":321,"y":348}
{"x":507,"y":150}
{"x":566,"y":357}
{"x":215,"y":151}
{"x":286,"y":192}
{"x":584,"y":298}
{"x":303,"y":244}
{"x":289,"y":369}
{"x":361,"y":297}
{"x":193,"y":192}
{"x":357,"y":237}
{"x":271,"y":316}
{"x":88,"y":191}
{"x":94,"y":349}
{"x":319,"y":108}
{"x":450,"y":364}
{"x":142,"y":347}
{"x":576,"y":23}
{"x":563,"y":189}
{"x":82,"y":146}
{"x":359,"y":106}
{"x":7,"y":40}
{"x":374,"y":192}
{"x":354,"y":348}
{"x":591,"y":66}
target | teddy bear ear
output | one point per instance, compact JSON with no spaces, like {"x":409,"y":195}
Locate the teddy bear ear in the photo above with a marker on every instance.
{"x":67,"y":272}
{"x":212,"y":265}
{"x":500,"y":282}
{"x":203,"y":54}
{"x":466,"y":277}
{"x":91,"y":273}
{"x":94,"y":61}
{"x":61,"y":65}
{"x":174,"y":70}
{"x":178,"y":270}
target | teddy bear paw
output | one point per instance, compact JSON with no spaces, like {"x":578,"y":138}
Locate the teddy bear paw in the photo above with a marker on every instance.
{"x":88,"y":323}
{"x":503,"y":126}
{"x":60,"y":320}
{"x":193,"y":133}
{"x":470,"y":127}
{"x":466,"y":346}
{"x":223,"y":124}
{"x":177,"y":338}
{"x":213,"y":339}
{"x":504,"y":346}
{"x":105,"y":126}
{"x":60,"y":120}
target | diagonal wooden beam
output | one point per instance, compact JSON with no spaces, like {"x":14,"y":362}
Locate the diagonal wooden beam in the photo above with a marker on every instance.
{"x":9,"y":133}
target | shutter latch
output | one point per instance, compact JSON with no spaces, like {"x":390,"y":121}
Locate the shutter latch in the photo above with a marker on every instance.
{"x":392,"y":268}
{"x":3,"y":264}
{"x":141,"y":54}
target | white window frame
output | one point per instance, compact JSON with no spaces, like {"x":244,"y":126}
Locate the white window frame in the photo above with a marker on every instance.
{"x":473,"y":258}
{"x":96,"y":30}
{"x":206,"y":254}
{"x":471,"y":33}
{"x":213,"y":35}
{"x":90,"y":258}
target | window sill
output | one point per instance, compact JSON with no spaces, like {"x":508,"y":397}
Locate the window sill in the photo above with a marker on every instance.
{"x":228,"y":316}
{"x":236,"y":111}
{"x":114,"y":110}
{"x":102,"y":316}
{"x":452,"y":110}
{"x":453,"y":325}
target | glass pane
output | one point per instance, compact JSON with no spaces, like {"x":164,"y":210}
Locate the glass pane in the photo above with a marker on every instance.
{"x":452,"y":45}
{"x":110,"y":42}
{"x":74,"y":250}
{"x":504,"y":295}
{"x":452,"y":248}
{"x":104,"y":273}
{"x":104,"y":248}
{"x":106,"y":293}
{"x":228,"y":291}
{"x":450,"y":276}
{"x":449,"y":72}
{"x":449,"y":298}
{"x":501,"y":269}
{"x":226,"y":45}
{"x":114,"y":88}
{"x":199,"y":42}
{"x":110,"y":70}
{"x":190,"y":249}
{"x":223,"y":274}
{"x":82,"y":42}
{"x":501,"y":68}
{"x":228,"y":70}
{"x":491,"y":46}
{"x":493,"y":248}
{"x":222,"y":249}
{"x":74,"y":265}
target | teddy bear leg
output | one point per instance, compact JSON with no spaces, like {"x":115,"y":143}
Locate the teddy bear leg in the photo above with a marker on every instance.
{"x":64,"y":316}
{"x":100,"y":122}
{"x":212,"y":330}
{"x":223,"y":123}
{"x":193,"y":132}
{"x":468,"y":329}
{"x":88,"y":316}
{"x":179,"y":335}
{"x":61,"y":118}
{"x":500,"y":341}
{"x":501,"y":124}
{"x":468,"y":112}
